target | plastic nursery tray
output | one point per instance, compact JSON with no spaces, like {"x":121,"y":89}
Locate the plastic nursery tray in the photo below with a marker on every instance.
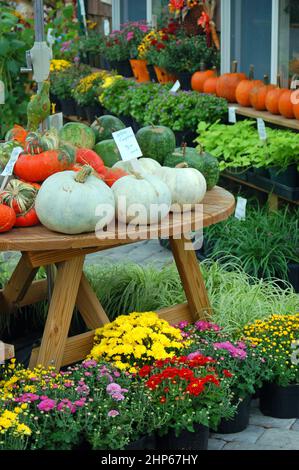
{"x":242,"y":175}
{"x":292,"y":194}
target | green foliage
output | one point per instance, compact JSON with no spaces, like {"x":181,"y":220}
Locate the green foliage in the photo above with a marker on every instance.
{"x":262,"y":245}
{"x":123,"y":44}
{"x":236,"y":297}
{"x":239,"y":145}
{"x":152,"y":103}
{"x":15,"y":39}
{"x":63,"y":81}
{"x":185,"y":55}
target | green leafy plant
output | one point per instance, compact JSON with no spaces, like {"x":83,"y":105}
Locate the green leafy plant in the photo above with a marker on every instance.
{"x":16,"y":36}
{"x":123,"y":44}
{"x":263,"y":244}
{"x":63,"y":81}
{"x":184,"y":54}
{"x":86,"y":91}
{"x":115,"y":98}
{"x":239,"y":145}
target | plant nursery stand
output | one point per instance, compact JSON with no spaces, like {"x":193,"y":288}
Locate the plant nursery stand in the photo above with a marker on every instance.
{"x":42,"y":247}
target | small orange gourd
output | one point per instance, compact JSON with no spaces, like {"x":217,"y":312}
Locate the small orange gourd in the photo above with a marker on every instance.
{"x":285,"y":104}
{"x":259,"y":93}
{"x":272,"y":98}
{"x":227,"y":84}
{"x":245,"y":87}
{"x":199,"y":78}
{"x":7,"y":218}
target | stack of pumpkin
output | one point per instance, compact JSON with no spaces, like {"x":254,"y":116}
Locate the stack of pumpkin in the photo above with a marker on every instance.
{"x":248,"y":92}
{"x":73,"y":181}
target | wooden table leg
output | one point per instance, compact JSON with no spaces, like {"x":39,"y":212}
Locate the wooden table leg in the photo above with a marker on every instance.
{"x":89,"y":306}
{"x":60,"y":313}
{"x":18,"y":285}
{"x":191,"y":277}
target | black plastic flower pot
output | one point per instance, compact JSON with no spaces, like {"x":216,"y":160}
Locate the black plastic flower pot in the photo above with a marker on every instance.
{"x":68,"y":107}
{"x":80,"y":111}
{"x":237,"y":172}
{"x":264,"y":172}
{"x":293,"y":275}
{"x":185,"y":80}
{"x":123,"y":67}
{"x":280,"y":402}
{"x":288,"y":177}
{"x":187,"y":440}
{"x":152,"y":73}
{"x":93,"y":111}
{"x":144,"y":443}
{"x":92,"y":59}
{"x":239,"y":422}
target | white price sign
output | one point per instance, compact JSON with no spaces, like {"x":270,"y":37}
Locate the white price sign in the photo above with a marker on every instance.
{"x":175,"y":87}
{"x":127,"y":144}
{"x":232,"y":117}
{"x":8,"y":170}
{"x":55,"y":121}
{"x":261,"y":127}
{"x":240,"y":212}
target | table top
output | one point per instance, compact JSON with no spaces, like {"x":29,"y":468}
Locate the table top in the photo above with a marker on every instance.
{"x":217,"y":206}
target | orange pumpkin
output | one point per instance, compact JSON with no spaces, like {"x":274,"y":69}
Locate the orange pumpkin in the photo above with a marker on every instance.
{"x":272,"y":98}
{"x":210,"y":85}
{"x":227,"y":84}
{"x":259,"y":93}
{"x":7,"y":218}
{"x":285,"y":104}
{"x":244,"y":88}
{"x":199,"y":78}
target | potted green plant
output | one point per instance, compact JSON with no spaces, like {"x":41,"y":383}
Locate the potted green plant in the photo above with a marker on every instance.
{"x":240,"y":363}
{"x":278,"y":340}
{"x":86,"y":94}
{"x":62,"y":84}
{"x":183,"y":55}
{"x":193,"y":397}
{"x":90,"y":48}
{"x":115,"y":99}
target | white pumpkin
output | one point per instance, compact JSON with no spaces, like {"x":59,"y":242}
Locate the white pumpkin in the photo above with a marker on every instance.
{"x":146,"y":165}
{"x":141,"y":199}
{"x":187,"y":186}
{"x":71,"y":202}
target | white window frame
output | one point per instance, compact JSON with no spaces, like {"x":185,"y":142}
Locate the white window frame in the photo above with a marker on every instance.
{"x":226,"y":37}
{"x":116,"y":13}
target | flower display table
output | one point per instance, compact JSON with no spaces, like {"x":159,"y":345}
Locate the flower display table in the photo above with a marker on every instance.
{"x":41,"y":247}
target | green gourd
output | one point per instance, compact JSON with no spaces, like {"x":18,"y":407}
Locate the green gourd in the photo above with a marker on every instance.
{"x":78,"y":134}
{"x":198,"y":159}
{"x":105,"y":125}
{"x":108,"y":151}
{"x":38,"y":108}
{"x":156,"y":142}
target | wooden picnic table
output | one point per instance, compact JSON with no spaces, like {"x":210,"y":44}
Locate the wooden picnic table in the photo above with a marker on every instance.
{"x":42,"y":247}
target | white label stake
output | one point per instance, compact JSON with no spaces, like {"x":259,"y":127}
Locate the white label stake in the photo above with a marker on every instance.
{"x":8,"y":170}
{"x":232,"y":117}
{"x":240,"y":212}
{"x":261,"y":127}
{"x":175,"y":87}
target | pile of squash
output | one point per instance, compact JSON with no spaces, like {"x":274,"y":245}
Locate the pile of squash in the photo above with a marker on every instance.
{"x":247,"y":92}
{"x":74,"y":181}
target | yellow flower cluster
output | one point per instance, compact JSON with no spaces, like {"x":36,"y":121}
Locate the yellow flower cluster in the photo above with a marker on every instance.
{"x":9,"y":386}
{"x":276,"y":336}
{"x":58,"y":65}
{"x":147,"y":42}
{"x":138,"y":338}
{"x":9,"y":421}
{"x":86,"y":83}
{"x":110,"y":79}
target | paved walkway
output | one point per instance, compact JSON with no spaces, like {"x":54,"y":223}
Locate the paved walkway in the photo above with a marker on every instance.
{"x":263,"y":433}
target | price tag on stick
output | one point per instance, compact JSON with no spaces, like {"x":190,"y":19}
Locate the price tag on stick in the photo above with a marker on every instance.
{"x":232,"y":117}
{"x":8,"y":170}
{"x":240,"y":212}
{"x":261,"y":127}
{"x":128,"y":146}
